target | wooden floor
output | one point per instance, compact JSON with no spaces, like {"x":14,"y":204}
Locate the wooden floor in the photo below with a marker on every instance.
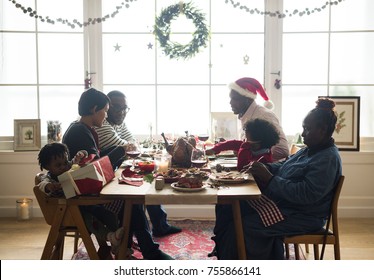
{"x":25,"y":240}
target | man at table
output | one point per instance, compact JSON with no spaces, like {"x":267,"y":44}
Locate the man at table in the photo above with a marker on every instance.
{"x":242,"y":100}
{"x":114,"y":132}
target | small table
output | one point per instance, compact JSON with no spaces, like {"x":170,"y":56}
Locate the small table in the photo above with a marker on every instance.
{"x":146,"y":194}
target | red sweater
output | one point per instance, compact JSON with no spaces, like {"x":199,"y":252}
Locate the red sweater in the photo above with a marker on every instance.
{"x":245,"y":154}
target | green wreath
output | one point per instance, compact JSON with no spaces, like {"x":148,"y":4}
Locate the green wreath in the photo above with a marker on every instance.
{"x":162,"y":31}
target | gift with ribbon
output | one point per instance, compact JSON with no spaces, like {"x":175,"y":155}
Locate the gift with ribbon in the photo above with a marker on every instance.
{"x":88,"y":179}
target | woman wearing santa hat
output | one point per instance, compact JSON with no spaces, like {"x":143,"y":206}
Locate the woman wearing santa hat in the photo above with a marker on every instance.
{"x":242,"y":100}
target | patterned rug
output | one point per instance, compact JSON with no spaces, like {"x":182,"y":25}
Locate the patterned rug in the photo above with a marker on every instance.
{"x":193,"y":243}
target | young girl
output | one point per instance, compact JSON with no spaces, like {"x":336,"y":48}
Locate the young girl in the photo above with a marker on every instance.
{"x":55,"y":159}
{"x":261,"y":135}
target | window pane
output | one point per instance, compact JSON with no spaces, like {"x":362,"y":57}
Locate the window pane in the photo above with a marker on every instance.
{"x":299,"y":100}
{"x":366,"y":101}
{"x":221,"y":98}
{"x":13,"y":18}
{"x":305,"y":58}
{"x":352,"y":58}
{"x":237,"y":55}
{"x":17,"y":103}
{"x":18,"y":59}
{"x":317,"y":21}
{"x":226,"y":18}
{"x":60,"y":69}
{"x":139,"y":17}
{"x":132,"y":63}
{"x":69,"y":10}
{"x":172,"y":71}
{"x":353,"y":15}
{"x":60,"y":104}
{"x":182,"y":108}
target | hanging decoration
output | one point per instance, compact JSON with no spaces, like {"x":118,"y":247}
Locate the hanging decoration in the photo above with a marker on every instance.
{"x":280,"y":14}
{"x":33,"y":13}
{"x":162,"y":31}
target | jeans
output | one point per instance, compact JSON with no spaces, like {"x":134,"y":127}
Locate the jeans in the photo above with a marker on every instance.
{"x":157,"y":215}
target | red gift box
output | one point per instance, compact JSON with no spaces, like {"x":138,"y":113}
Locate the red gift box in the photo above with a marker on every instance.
{"x":88,"y":179}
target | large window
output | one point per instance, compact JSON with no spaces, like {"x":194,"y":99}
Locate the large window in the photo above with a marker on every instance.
{"x":43,"y":65}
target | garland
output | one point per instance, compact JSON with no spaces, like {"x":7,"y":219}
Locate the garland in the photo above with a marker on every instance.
{"x":33,"y":13}
{"x":162,"y":31}
{"x":306,"y":11}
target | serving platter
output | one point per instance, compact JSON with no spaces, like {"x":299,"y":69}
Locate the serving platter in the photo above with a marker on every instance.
{"x":176,"y":187}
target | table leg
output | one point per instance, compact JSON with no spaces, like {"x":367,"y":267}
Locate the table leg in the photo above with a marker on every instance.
{"x":122,"y":254}
{"x":242,"y":254}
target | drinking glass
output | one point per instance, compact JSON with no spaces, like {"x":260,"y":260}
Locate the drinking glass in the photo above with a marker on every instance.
{"x":198,"y":158}
{"x":133,"y":150}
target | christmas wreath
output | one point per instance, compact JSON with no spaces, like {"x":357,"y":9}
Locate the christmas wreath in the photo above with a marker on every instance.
{"x":162,"y":31}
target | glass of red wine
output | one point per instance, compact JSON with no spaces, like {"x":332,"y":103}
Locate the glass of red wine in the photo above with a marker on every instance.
{"x":202,"y":138}
{"x":198,"y":158}
{"x":133,"y":151}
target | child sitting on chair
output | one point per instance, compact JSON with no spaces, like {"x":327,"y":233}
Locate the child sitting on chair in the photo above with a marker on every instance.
{"x":54,"y":158}
{"x":260,"y":134}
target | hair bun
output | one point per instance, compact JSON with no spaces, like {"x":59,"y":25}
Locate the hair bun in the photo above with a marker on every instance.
{"x":325,"y":103}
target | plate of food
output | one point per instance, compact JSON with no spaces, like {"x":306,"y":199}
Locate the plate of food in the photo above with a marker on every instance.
{"x":186,"y":188}
{"x":230,"y":177}
{"x":170,"y":176}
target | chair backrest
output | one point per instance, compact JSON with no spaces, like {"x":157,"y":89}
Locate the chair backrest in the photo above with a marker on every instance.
{"x":335,"y":201}
{"x":49,"y":205}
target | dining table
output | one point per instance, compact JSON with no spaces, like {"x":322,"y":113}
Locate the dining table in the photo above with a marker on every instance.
{"x":210,"y":194}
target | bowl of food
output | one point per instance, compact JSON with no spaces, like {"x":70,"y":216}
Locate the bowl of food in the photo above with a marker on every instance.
{"x":146,"y":166}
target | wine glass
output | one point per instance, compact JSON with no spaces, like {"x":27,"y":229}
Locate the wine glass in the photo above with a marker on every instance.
{"x":198,"y":158}
{"x":202,"y":138}
{"x":133,"y":150}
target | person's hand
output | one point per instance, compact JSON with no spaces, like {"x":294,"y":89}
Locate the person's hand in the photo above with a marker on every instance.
{"x":79,"y":156}
{"x":259,"y":170}
{"x":51,"y":187}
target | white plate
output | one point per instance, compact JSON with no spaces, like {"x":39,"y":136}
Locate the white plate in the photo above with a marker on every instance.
{"x":241,"y":178}
{"x":175,"y":187}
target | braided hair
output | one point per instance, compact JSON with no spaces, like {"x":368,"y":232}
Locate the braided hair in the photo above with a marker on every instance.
{"x":50,"y":151}
{"x":325,"y":114}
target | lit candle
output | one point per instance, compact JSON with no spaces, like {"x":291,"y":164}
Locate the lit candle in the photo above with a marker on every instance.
{"x":24,"y":211}
{"x":163,"y":166}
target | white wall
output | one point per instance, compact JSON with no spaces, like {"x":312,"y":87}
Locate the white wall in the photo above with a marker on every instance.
{"x":17,"y":171}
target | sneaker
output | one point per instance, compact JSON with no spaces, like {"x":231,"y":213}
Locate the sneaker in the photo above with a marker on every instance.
{"x":115,"y":239}
{"x":171,"y":230}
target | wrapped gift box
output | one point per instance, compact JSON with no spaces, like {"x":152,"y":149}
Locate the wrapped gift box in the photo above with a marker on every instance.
{"x":88,"y":179}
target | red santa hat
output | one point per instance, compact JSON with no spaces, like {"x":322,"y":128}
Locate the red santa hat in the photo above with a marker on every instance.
{"x":249,"y":87}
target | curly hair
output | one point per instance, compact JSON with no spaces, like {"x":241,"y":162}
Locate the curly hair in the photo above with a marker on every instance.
{"x":325,"y":114}
{"x":50,"y":151}
{"x":262,"y":131}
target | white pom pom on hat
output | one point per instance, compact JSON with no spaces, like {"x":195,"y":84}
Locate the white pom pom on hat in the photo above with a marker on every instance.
{"x":249,"y":87}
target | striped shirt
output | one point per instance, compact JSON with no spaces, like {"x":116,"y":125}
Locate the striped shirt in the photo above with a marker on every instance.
{"x":113,"y":135}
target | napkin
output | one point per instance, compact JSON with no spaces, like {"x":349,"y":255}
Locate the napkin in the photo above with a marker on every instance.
{"x":130,"y":177}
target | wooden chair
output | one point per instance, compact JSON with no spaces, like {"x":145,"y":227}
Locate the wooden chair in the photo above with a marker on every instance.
{"x":65,"y":219}
{"x":325,"y":236}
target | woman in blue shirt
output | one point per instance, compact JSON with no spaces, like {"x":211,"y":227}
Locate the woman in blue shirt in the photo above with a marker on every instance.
{"x":302,"y":188}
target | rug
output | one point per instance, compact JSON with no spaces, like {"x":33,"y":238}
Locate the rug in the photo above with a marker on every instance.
{"x":193,"y":243}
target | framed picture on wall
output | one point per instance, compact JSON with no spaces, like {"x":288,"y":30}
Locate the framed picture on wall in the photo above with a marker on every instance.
{"x":27,"y":135}
{"x":347,"y":131}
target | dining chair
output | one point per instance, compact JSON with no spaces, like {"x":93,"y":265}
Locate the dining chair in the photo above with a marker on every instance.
{"x":65,"y":219}
{"x":327,"y":235}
